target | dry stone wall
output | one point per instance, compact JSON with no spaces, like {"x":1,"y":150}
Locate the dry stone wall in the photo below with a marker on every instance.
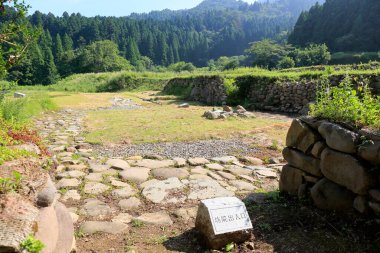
{"x":275,"y":94}
{"x":206,"y":89}
{"x":339,"y":168}
{"x":290,"y":96}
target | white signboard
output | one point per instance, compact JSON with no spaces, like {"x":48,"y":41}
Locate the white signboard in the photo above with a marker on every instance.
{"x":228,"y":215}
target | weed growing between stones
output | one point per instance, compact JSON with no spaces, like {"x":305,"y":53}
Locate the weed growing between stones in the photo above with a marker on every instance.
{"x":137,"y":224}
{"x":32,"y":245}
{"x":10,"y":184}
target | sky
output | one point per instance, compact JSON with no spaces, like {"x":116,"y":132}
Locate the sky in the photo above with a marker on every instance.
{"x":109,"y":7}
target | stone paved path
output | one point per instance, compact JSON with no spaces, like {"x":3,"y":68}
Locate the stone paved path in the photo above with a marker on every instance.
{"x":105,"y":194}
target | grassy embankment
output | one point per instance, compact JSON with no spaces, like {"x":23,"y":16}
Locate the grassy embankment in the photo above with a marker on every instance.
{"x":15,"y":115}
{"x":157,"y":123}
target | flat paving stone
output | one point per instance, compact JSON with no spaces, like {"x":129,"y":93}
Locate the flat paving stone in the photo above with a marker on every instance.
{"x":159,"y":218}
{"x":248,"y":178}
{"x":158,"y":191}
{"x":199,"y":176}
{"x":167,"y":173}
{"x":154,"y":164}
{"x":242,"y":185}
{"x":214,"y":166}
{"x":252,"y":160}
{"x":125,"y":218}
{"x":268,"y":173}
{"x":95,"y":188}
{"x":148,"y":183}
{"x":92,"y":227}
{"x":225,"y":159}
{"x":123,"y":192}
{"x":206,"y":189}
{"x":214,"y":176}
{"x":236,"y":170}
{"x":226,"y":175}
{"x":71,"y":174}
{"x":94,"y":177}
{"x":118,"y":164}
{"x":98,"y":167}
{"x":129,"y":204}
{"x":199,"y":170}
{"x":71,"y":195}
{"x":94,"y":207}
{"x":68,"y":183}
{"x":80,"y":167}
{"x":135,"y":175}
{"x":179,"y":162}
{"x":198,"y":161}
{"x":117,"y":183}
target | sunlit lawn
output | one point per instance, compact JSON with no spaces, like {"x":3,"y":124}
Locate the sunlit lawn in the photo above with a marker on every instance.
{"x":168,"y":123}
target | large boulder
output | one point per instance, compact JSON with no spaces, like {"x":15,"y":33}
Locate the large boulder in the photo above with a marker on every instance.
{"x":66,"y":238}
{"x":291,"y":180}
{"x":347,"y":171}
{"x":17,"y":220}
{"x":301,"y":136}
{"x":339,"y":138}
{"x":329,"y":196}
{"x":46,"y":197}
{"x":48,"y":229}
{"x":370,"y":151}
{"x":303,"y":162}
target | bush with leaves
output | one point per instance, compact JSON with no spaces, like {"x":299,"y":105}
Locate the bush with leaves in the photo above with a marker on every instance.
{"x":347,"y":104}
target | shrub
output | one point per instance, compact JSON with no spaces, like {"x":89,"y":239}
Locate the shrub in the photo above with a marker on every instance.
{"x":32,"y":245}
{"x":347,"y":104}
{"x":286,"y":63}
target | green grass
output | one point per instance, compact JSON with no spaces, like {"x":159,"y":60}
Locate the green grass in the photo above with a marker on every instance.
{"x":144,"y":81}
{"x":8,"y":154}
{"x":23,"y":109}
{"x":167,"y":123}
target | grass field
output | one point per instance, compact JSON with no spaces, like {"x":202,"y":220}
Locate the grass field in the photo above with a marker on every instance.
{"x":168,"y":123}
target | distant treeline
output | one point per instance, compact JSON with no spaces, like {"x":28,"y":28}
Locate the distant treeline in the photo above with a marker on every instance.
{"x":344,"y":25}
{"x":198,"y":35}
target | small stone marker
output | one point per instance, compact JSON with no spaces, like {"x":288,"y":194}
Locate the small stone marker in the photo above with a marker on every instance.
{"x":222,"y":221}
{"x":19,"y":95}
{"x":185,"y":105}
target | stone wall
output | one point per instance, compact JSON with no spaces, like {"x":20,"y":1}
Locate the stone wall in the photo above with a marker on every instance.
{"x":206,"y":89}
{"x":339,"y":168}
{"x":289,"y":96}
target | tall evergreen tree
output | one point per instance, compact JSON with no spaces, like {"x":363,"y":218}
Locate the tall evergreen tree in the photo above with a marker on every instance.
{"x":132,"y":51}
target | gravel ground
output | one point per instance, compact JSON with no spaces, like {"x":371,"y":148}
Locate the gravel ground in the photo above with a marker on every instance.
{"x":207,"y":149}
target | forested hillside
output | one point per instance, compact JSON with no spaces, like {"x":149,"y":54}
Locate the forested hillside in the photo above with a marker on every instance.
{"x":344,"y":25}
{"x":213,"y":29}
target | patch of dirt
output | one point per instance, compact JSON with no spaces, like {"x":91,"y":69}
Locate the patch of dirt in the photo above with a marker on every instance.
{"x":33,"y":177}
{"x":280,"y":225}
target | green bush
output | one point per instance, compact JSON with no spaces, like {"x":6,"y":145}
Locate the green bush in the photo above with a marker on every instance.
{"x":347,"y":104}
{"x":232,"y":91}
{"x":180,"y":90}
